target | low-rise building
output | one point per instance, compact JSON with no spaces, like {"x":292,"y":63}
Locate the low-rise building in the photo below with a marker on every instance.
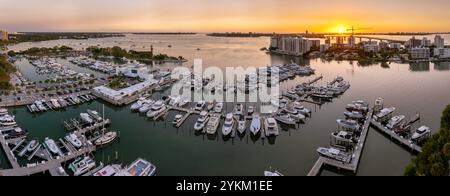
{"x":370,"y":46}
{"x":134,"y":71}
{"x":315,"y":43}
{"x":441,"y":53}
{"x":383,"y":45}
{"x":420,"y":53}
{"x":397,"y":46}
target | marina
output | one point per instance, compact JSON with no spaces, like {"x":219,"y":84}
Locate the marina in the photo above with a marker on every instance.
{"x":399,"y":86}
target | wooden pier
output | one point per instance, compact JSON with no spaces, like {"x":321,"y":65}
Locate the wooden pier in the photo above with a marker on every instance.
{"x":403,"y":141}
{"x":315,"y":80}
{"x":45,"y":166}
{"x":356,"y":156}
{"x":9,"y":153}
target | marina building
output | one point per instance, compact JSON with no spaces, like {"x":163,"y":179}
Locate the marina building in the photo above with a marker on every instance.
{"x":134,"y":71}
{"x":441,"y":53}
{"x":439,"y":41}
{"x":420,"y":53}
{"x":116,"y":96}
{"x":3,"y":35}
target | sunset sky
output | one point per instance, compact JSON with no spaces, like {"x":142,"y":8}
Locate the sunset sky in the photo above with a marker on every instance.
{"x":219,"y":16}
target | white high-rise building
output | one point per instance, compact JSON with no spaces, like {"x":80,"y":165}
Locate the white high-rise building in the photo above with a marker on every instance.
{"x":295,"y":46}
{"x":439,"y":41}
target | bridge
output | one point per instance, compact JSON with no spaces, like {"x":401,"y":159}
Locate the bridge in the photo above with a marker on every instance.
{"x":369,"y":38}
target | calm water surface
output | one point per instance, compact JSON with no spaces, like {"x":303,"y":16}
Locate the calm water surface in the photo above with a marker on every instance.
{"x":411,"y":88}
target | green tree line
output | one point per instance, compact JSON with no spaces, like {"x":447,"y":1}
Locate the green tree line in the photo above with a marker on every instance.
{"x":435,"y":156}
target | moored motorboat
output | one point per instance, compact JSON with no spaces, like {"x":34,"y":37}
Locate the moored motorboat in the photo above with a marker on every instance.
{"x":255,"y":126}
{"x":51,"y":146}
{"x":218,"y":107}
{"x":335,"y":154}
{"x":82,"y":165}
{"x":73,"y":139}
{"x":271,"y":127}
{"x":241,"y":125}
{"x":421,"y":133}
{"x":201,"y":121}
{"x":85,"y":117}
{"x":395,"y":121}
{"x":348,"y":124}
{"x":229,"y":125}
{"x":213,"y":124}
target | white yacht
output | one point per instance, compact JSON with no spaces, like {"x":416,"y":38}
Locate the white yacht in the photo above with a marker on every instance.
{"x":395,"y":121}
{"x":348,"y":124}
{"x":241,"y":125}
{"x":82,"y":165}
{"x":51,"y":146}
{"x":384,"y":115}
{"x":73,"y":139}
{"x":213,"y":124}
{"x":3,"y":111}
{"x":335,"y":154}
{"x":301,"y":109}
{"x":200,"y":105}
{"x":295,"y":114}
{"x":285,"y":119}
{"x":218,"y":108}
{"x":271,"y":127}
{"x":40,"y":106}
{"x":32,"y":145}
{"x":55,"y":103}
{"x":85,"y":117}
{"x":229,"y":125}
{"x":255,"y":126}
{"x":177,"y":119}
{"x":201,"y":121}
{"x":146,"y":106}
{"x":95,"y":115}
{"x":156,"y":109}
{"x":7,"y":120}
{"x":354,"y":115}
{"x":138,"y":104}
{"x":421,"y":133}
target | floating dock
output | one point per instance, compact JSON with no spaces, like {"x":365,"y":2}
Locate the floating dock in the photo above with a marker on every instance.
{"x":403,"y":141}
{"x":356,"y":156}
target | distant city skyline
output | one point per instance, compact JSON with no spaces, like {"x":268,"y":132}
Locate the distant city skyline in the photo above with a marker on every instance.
{"x":230,"y":16}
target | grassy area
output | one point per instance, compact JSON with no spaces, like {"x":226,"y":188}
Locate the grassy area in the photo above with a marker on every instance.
{"x":5,"y":70}
{"x":433,"y":161}
{"x":118,"y":82}
{"x":118,"y":52}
